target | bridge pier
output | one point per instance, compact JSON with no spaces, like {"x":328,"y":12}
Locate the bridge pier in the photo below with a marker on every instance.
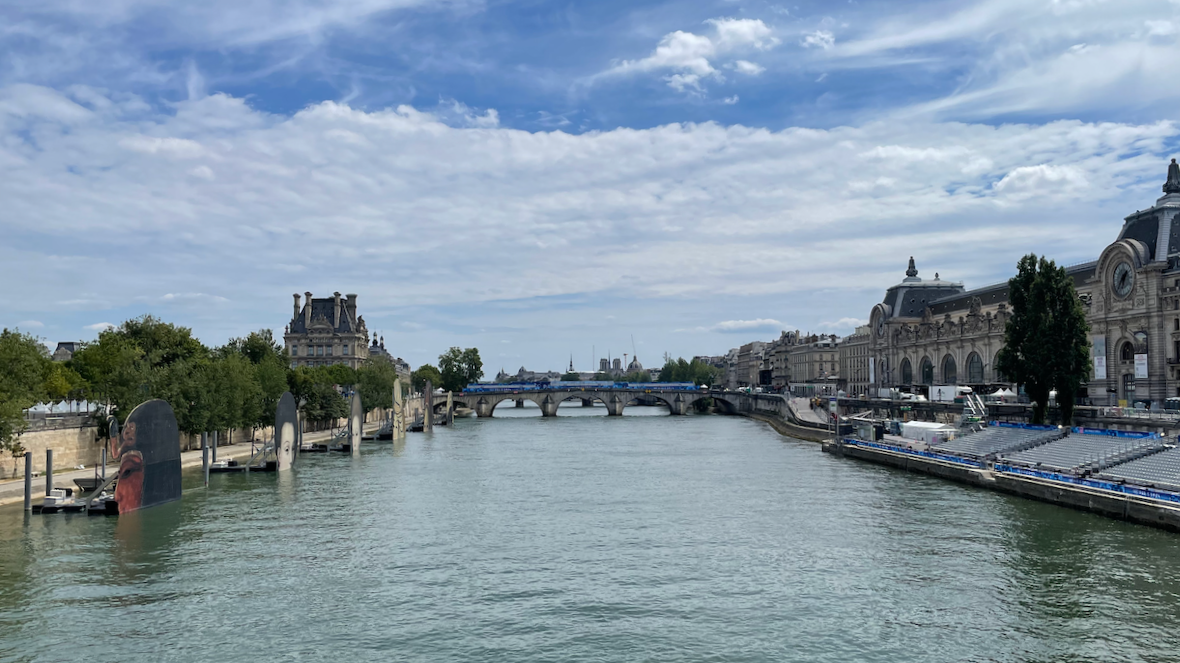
{"x":678,"y":406}
{"x":549,"y":406}
{"x":483,"y":409}
{"x":615,"y":405}
{"x":587,"y":402}
{"x":520,"y":402}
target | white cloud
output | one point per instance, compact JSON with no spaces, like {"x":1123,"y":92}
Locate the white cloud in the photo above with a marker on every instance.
{"x":845,"y":323}
{"x":1160,"y":28}
{"x":99,"y":326}
{"x":689,"y":55}
{"x":30,"y":324}
{"x":743,"y":326}
{"x":335,"y":198}
{"x":747,"y":67}
{"x":818,"y":39}
{"x":729,"y":101}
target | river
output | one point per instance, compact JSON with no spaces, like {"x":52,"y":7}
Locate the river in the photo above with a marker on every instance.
{"x":588,"y":538}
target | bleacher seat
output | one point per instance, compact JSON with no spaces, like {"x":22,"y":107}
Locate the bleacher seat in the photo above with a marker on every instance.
{"x":1159,"y":470}
{"x":995,"y":440}
{"x":1080,"y":452}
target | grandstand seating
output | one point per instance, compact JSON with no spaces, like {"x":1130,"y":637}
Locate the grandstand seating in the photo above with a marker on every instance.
{"x":1160,"y":470}
{"x":997,"y":439}
{"x":1080,"y":453}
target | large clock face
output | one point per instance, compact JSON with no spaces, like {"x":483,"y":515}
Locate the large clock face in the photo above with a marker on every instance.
{"x":1123,"y":279}
{"x":880,"y":326}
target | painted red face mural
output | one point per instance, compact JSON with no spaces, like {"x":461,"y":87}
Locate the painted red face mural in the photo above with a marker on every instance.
{"x":129,"y":489}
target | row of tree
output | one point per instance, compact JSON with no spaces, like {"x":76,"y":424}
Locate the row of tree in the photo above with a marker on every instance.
{"x":235,"y":386}
{"x":456,"y":369}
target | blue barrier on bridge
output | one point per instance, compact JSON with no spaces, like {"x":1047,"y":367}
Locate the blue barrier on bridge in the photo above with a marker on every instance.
{"x":1132,"y":434}
{"x":1092,"y":483}
{"x":913,"y":452}
{"x":1008,"y":424}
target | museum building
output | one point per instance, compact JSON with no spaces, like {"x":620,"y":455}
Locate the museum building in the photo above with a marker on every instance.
{"x":936,"y":332}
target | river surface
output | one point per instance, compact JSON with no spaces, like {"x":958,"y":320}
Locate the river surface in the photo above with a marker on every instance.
{"x":587,"y":538}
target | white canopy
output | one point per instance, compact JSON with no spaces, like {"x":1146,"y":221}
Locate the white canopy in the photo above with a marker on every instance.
{"x":1005,"y":393}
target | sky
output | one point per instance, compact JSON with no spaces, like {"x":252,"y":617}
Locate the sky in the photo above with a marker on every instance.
{"x":543,"y":179}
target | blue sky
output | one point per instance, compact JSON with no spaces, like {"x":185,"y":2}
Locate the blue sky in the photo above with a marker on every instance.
{"x":543,"y":178}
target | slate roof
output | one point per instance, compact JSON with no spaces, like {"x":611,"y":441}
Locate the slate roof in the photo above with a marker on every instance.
{"x":326,"y":308}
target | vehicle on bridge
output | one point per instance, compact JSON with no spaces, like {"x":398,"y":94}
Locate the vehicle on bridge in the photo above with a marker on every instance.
{"x":589,"y":385}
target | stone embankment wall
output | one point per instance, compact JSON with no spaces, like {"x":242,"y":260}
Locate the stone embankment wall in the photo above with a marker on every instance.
{"x":71,"y":447}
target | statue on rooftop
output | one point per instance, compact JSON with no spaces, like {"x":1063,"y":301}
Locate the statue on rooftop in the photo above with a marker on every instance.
{"x":913,"y":271}
{"x":1173,"y":183}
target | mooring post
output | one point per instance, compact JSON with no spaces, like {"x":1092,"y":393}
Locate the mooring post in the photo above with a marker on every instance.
{"x":104,"y":465}
{"x":28,"y":481}
{"x":205,"y":457}
{"x":428,"y":407}
{"x":48,"y":470}
{"x":214,"y":452}
{"x":450,"y":409}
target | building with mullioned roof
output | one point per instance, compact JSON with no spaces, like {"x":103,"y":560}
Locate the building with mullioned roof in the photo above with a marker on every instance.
{"x":327,"y":331}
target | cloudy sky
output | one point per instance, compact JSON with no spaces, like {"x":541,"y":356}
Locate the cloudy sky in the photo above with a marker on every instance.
{"x":542,"y":178}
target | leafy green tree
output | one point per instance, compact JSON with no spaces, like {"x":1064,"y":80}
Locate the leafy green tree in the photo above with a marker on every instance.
{"x":113,"y":368}
{"x":423,"y":373}
{"x":460,"y":368}
{"x":1045,"y":344}
{"x":679,"y":370}
{"x":61,"y":381}
{"x":162,"y":343}
{"x":637,"y":376}
{"x":571,"y":376}
{"x":375,"y":380}
{"x":23,"y":361}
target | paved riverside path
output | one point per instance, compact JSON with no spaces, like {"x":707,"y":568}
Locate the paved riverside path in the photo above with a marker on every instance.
{"x":13,"y":491}
{"x":802,"y":409}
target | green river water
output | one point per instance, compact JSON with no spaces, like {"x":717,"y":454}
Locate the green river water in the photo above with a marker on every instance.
{"x":588,"y":538}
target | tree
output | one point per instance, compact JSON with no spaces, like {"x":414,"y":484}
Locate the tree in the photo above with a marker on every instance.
{"x":571,"y":376}
{"x":61,"y":381}
{"x":375,"y":383}
{"x":23,"y":361}
{"x":423,"y":373}
{"x":1045,"y":344}
{"x":459,"y":368}
{"x":696,"y":371}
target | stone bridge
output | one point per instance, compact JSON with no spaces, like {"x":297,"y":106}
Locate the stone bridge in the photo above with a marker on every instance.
{"x":615,"y":400}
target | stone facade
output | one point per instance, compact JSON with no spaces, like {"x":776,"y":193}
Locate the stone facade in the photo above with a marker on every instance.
{"x":815,"y":359}
{"x":749,"y":363}
{"x":327,"y":331}
{"x":854,"y":361}
{"x":936,"y":332}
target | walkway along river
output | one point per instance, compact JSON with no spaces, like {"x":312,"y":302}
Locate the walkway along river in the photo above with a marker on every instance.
{"x":588,"y":538}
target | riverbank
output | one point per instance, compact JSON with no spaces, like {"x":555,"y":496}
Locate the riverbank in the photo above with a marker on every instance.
{"x":788,"y":429}
{"x":13,"y":492}
{"x":1109,"y":503}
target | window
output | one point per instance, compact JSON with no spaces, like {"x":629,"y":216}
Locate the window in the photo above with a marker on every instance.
{"x":950,"y":372}
{"x":907,"y":372}
{"x":319,"y":351}
{"x":329,"y":351}
{"x":1177,"y":325}
{"x":974,"y":369}
{"x":345,"y":349}
{"x":927,"y":371}
{"x":1127,"y":352}
{"x":1129,"y":386}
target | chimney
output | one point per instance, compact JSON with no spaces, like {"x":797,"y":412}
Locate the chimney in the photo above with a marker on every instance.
{"x":350,"y":310}
{"x":307,"y":310}
{"x":336,"y":313}
{"x":296,"y":316}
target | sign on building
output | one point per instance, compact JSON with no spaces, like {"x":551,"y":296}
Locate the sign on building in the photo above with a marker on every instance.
{"x":1140,"y":366}
{"x":1099,"y":368}
{"x":1099,"y":345}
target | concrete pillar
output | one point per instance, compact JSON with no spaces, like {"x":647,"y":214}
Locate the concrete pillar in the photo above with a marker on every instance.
{"x":615,"y":405}
{"x":205,"y":457}
{"x":483,"y":409}
{"x":678,"y":406}
{"x":450,"y":409}
{"x":428,"y":408}
{"x":48,"y":470}
{"x":587,"y":402}
{"x":519,"y":403}
{"x":549,"y":406}
{"x":213,"y":448}
{"x":28,"y":481}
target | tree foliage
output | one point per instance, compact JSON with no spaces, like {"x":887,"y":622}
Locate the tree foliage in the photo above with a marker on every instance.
{"x":1045,"y":343}
{"x":375,"y":382}
{"x":23,"y":367}
{"x":571,"y":376}
{"x":423,"y":373}
{"x":459,"y":368}
{"x":695,"y":371}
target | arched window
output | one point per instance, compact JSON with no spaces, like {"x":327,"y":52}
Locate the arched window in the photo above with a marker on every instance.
{"x":974,"y":369}
{"x":1127,"y":352}
{"x":950,"y":372}
{"x":927,"y":371}
{"x":907,"y":372}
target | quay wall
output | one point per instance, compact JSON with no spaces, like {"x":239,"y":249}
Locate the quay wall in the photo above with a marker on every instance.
{"x":1119,"y":506}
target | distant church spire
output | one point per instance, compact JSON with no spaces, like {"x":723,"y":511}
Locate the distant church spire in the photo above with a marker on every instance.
{"x":913,"y":271}
{"x":1173,"y":183}
{"x":571,"y":363}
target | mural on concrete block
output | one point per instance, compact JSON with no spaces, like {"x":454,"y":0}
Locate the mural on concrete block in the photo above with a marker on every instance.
{"x":148,"y":451}
{"x":285,"y":431}
{"x":356,"y":424}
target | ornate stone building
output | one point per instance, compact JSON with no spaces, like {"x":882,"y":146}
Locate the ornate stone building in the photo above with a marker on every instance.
{"x":327,"y":331}
{"x":938,"y":333}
